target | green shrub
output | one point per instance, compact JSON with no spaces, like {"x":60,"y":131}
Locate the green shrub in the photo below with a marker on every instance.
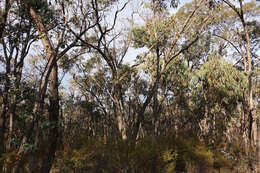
{"x":149,"y":155}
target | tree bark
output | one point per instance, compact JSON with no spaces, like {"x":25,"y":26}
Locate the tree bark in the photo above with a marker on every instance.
{"x":251,"y":116}
{"x":248,"y":67}
{"x":118,"y":111}
{"x":121,"y":124}
{"x":140,"y":115}
{"x":156,"y":113}
{"x":258,"y":144}
{"x":4,"y":107}
{"x":54,"y":121}
{"x":53,"y":97}
{"x":2,"y":132}
{"x":4,"y":113}
{"x":3,"y":17}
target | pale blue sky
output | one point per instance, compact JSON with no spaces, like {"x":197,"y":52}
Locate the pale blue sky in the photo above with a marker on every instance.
{"x":137,"y":6}
{"x":134,"y":5}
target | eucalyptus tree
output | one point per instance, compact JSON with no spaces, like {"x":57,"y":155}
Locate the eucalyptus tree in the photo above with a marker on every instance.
{"x":47,"y":21}
{"x":239,"y":39}
{"x":75,"y":21}
{"x":234,"y":26}
{"x":5,"y":7}
{"x":16,"y":41}
{"x":101,"y":43}
{"x":169,"y":31}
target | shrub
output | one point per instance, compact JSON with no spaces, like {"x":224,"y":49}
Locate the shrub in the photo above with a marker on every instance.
{"x":149,"y":155}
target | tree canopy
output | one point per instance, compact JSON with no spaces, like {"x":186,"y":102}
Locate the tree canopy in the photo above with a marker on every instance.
{"x":129,"y":86}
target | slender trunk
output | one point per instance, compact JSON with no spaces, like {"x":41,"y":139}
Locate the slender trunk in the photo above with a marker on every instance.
{"x":11,"y":122}
{"x":118,"y":111}
{"x":32,"y":131}
{"x":121,"y":124}
{"x":154,"y":88}
{"x":140,"y":115}
{"x":3,"y":118}
{"x":3,"y":17}
{"x":53,"y":119}
{"x":155,"y":115}
{"x":155,"y":97}
{"x":250,"y":88}
{"x":247,"y":67}
{"x":2,"y":133}
{"x":12,"y":111}
{"x":258,"y":144}
{"x":18,"y":75}
{"x":251,"y":117}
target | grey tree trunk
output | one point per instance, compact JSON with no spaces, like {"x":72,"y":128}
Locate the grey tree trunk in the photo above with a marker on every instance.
{"x":54,"y":122}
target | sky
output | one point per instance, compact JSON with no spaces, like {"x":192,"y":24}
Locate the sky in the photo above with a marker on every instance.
{"x":137,"y":6}
{"x":134,"y":6}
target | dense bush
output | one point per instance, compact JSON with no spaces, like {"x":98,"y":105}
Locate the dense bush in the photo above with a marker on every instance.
{"x":149,"y":155}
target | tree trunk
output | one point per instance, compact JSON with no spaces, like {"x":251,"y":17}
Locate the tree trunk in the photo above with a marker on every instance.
{"x":155,"y":97}
{"x":39,"y":99}
{"x":54,"y":122}
{"x":258,"y":144}
{"x":251,"y":115}
{"x":11,"y":121}
{"x":118,"y":111}
{"x":250,"y":111}
{"x":2,"y":133}
{"x":121,"y":125}
{"x":3,"y":17}
{"x":3,"y":118}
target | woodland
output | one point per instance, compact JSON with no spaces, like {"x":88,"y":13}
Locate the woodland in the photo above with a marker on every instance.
{"x":129,"y":86}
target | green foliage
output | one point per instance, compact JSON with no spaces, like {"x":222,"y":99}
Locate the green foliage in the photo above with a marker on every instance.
{"x":222,"y":83}
{"x":154,"y":34}
{"x":140,"y":36}
{"x":189,"y":91}
{"x":15,"y":161}
{"x":178,"y":76}
{"x":146,"y":156}
{"x":221,"y":162}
